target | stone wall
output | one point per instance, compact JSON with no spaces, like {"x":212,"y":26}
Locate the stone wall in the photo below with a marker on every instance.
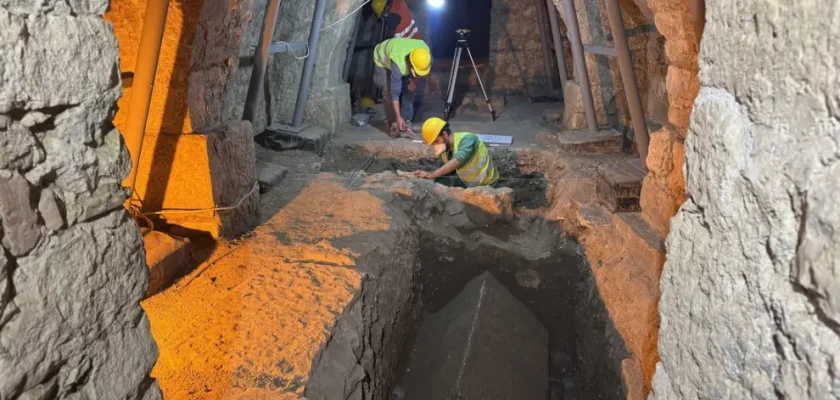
{"x":516,"y":63}
{"x":72,"y":269}
{"x":649,"y":63}
{"x":329,"y":98}
{"x":663,"y":190}
{"x":191,"y":115}
{"x":750,"y":297}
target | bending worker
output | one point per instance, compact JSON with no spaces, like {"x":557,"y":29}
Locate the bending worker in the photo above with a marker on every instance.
{"x":395,"y":60}
{"x":462,"y":152}
{"x":400,"y":23}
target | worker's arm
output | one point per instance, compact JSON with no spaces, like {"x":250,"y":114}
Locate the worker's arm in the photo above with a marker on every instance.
{"x":446,"y":169}
{"x":450,"y":166}
{"x":392,"y":20}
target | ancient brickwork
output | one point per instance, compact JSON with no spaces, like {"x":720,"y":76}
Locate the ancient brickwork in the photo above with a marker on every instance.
{"x":750,"y":301}
{"x":191,"y":118}
{"x":516,"y":63}
{"x":649,"y":65}
{"x":72,"y":268}
{"x":664,"y":187}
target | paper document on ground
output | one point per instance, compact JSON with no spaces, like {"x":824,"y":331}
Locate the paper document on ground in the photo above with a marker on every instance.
{"x":499,"y":139}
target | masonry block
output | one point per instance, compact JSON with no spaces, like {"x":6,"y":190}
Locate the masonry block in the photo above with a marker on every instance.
{"x":179,"y":174}
{"x":485,"y":344}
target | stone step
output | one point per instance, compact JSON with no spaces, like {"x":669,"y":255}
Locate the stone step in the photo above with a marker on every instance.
{"x":269,"y":174}
{"x":608,"y":141}
{"x":484,"y":345}
{"x":620,"y":185}
{"x":168,"y":257}
{"x":280,"y":137}
{"x":636,"y":233}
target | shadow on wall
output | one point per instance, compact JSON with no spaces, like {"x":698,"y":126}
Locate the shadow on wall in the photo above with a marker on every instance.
{"x":176,"y":109}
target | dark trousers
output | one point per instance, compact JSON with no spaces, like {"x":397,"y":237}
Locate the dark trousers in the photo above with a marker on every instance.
{"x":411,"y":111}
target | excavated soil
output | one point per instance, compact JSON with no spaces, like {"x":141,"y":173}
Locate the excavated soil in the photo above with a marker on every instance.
{"x":276,"y":314}
{"x":529,"y":188}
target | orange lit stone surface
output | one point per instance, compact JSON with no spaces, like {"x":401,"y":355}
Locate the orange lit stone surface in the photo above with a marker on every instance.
{"x":249,"y":323}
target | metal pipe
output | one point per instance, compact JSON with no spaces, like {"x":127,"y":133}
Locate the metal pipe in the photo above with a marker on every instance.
{"x":309,"y":64}
{"x":580,"y":65}
{"x":143,"y":82}
{"x":546,"y":52}
{"x":628,"y":77}
{"x":261,"y":56}
{"x":379,"y":25}
{"x":351,"y":48}
{"x":558,"y":44}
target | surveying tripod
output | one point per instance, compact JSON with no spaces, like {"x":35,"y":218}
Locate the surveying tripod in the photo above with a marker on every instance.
{"x":462,"y":35}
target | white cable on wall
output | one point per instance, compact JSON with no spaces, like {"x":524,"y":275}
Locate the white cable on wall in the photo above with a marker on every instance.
{"x":345,"y":17}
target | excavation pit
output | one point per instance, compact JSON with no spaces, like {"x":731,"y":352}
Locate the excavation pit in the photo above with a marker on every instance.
{"x":327,"y":296}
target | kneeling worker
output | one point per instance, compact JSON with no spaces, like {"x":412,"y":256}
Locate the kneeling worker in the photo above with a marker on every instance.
{"x":462,"y":152}
{"x":395,"y":59}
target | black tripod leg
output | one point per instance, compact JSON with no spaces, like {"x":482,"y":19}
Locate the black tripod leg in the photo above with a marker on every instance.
{"x":484,"y":92}
{"x":453,"y":76}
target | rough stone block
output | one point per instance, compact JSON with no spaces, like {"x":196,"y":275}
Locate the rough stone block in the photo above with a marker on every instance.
{"x":620,"y":185}
{"x":18,"y":219}
{"x":658,"y":207}
{"x":553,"y":117}
{"x":201,"y":172}
{"x":660,"y":156}
{"x":682,"y":86}
{"x":485,"y":344}
{"x":168,"y":258}
{"x":639,"y":235}
{"x":53,"y":47}
{"x":485,"y":205}
{"x":328,"y":305}
{"x":607,"y":141}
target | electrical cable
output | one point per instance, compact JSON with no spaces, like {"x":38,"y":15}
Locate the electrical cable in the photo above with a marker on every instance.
{"x":292,"y":52}
{"x":199,"y":210}
{"x":345,"y":17}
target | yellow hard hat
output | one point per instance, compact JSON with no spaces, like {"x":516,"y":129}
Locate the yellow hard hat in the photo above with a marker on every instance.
{"x":378,"y":6}
{"x":421,"y":61}
{"x":367,"y":102}
{"x":431,"y":129}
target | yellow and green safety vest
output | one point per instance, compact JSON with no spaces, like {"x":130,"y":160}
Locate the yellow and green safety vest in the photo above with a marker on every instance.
{"x":478,"y":170}
{"x":396,"y":50}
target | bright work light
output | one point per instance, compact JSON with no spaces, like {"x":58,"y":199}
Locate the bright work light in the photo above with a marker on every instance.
{"x":436,"y":3}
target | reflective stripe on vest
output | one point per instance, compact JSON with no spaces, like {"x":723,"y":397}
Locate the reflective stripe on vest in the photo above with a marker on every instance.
{"x":407,"y":28}
{"x":396,"y":51}
{"x":478,"y":170}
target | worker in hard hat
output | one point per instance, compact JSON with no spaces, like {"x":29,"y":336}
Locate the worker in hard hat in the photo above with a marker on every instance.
{"x":400,"y":23}
{"x":398,"y":59}
{"x":462,"y":153}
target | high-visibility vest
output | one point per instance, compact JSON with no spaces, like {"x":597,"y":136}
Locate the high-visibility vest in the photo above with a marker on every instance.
{"x":478,"y":170}
{"x":396,"y":51}
{"x":407,"y":28}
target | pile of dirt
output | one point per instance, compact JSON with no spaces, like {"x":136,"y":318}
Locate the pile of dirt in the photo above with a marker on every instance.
{"x":529,"y":189}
